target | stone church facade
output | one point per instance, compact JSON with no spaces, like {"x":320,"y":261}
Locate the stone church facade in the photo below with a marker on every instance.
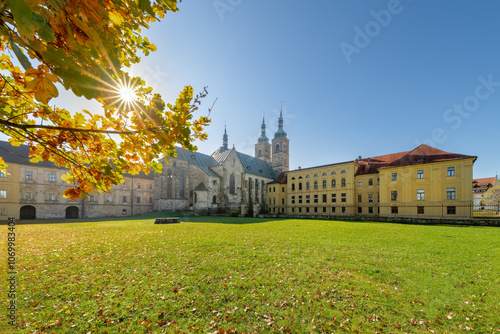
{"x":225,"y":181}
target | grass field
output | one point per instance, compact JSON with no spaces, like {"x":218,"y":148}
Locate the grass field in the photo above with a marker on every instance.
{"x":237,"y":275}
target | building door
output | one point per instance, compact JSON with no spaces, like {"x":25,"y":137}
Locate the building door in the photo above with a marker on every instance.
{"x":71,"y":212}
{"x":27,"y":212}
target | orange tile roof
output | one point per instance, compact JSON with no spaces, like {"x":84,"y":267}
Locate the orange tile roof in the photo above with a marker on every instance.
{"x":484,"y":182}
{"x":423,"y":154}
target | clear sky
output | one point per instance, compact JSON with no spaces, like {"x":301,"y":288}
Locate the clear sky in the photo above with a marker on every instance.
{"x":355,"y":77}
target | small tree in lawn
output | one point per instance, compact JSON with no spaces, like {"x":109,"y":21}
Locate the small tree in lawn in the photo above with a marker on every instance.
{"x":492,"y":197}
{"x":86,"y":46}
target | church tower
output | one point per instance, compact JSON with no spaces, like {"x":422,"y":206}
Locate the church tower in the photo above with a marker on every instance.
{"x":280,"y":148}
{"x":224,"y":140}
{"x":263,"y":148}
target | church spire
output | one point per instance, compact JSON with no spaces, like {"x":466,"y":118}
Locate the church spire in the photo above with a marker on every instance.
{"x":224,"y":139}
{"x":280,"y":132}
{"x":263,"y":138}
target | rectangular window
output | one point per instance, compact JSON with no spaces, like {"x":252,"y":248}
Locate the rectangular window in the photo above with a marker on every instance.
{"x":360,"y":209}
{"x":450,"y":194}
{"x":138,"y":200}
{"x":394,"y":176}
{"x":274,"y":201}
{"x":315,"y":198}
{"x":343,"y":197}
{"x":28,"y":175}
{"x":420,"y":210}
{"x":52,"y":197}
{"x":370,"y":209}
{"x":420,"y":174}
{"x":308,"y":199}
{"x":324,"y":198}
{"x":360,"y":183}
{"x":3,"y":174}
{"x":315,"y":209}
{"x":370,"y":198}
{"x":378,"y":198}
{"x":333,"y":209}
{"x":151,"y":200}
{"x":420,"y":195}
{"x":394,"y":195}
{"x":3,"y":194}
{"x":300,"y":199}
{"x":109,"y":199}
{"x":360,"y":198}
{"x":52,"y":177}
{"x":293,"y":210}
{"x":307,"y":209}
{"x":370,"y":182}
{"x":324,"y":210}
{"x":282,"y":189}
{"x":378,"y":181}
{"x":343,"y":209}
{"x":334,"y":198}
{"x":451,"y":210}
{"x":282,"y":201}
{"x":293,"y":199}
{"x":300,"y":210}
{"x":270,"y":202}
{"x":394,"y":209}
{"x":451,"y":171}
{"x":28,"y":195}
{"x":3,"y":212}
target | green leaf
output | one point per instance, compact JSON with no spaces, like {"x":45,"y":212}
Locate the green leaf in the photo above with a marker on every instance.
{"x":20,"y":56}
{"x":23,"y":16}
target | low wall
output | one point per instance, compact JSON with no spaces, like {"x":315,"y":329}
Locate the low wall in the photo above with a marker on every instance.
{"x":400,"y":220}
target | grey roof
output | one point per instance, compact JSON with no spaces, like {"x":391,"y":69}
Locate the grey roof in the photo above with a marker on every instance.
{"x":201,"y":187}
{"x":20,"y":155}
{"x":256,"y":166}
{"x":201,"y":160}
{"x":221,"y":154}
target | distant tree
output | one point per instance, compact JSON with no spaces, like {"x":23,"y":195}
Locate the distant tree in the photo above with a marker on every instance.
{"x":86,"y":46}
{"x":492,"y":198}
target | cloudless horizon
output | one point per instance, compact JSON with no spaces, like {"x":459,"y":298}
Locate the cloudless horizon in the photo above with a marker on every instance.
{"x":355,"y":78}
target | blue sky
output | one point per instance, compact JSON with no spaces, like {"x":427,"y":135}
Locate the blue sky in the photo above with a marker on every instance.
{"x":355,"y":77}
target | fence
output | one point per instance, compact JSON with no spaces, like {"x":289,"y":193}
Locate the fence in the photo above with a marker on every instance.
{"x":413,"y":210}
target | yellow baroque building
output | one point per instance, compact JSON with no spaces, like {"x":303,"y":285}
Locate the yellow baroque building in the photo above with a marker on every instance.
{"x":424,"y":182}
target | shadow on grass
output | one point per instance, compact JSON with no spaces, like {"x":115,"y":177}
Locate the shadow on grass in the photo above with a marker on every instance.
{"x":184,"y":216}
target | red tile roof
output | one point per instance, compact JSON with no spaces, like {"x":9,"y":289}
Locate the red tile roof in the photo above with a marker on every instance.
{"x":488,"y":181}
{"x":423,"y":154}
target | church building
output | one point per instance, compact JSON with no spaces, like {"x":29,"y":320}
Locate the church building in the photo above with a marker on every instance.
{"x":225,"y":181}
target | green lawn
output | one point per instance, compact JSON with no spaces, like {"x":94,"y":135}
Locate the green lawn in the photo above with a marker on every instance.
{"x":237,"y":275}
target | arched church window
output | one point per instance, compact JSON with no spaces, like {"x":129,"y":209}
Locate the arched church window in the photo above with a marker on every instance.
{"x":214,"y":200}
{"x":334,"y":173}
{"x":277,"y":148}
{"x":300,"y":186}
{"x":284,"y":147}
{"x":308,"y":186}
{"x":170,"y":184}
{"x":293,"y":186}
{"x":315,"y":184}
{"x":343,"y":172}
{"x":232,"y":184}
{"x":334,"y":183}
{"x":324,"y":183}
{"x":195,"y":197}
{"x":260,"y":153}
{"x":342,"y":182}
{"x":181,"y":184}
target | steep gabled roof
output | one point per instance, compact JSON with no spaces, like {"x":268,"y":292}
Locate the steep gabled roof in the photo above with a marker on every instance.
{"x":423,"y":154}
{"x":201,"y":160}
{"x":221,"y":154}
{"x":256,"y":166}
{"x":201,"y":187}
